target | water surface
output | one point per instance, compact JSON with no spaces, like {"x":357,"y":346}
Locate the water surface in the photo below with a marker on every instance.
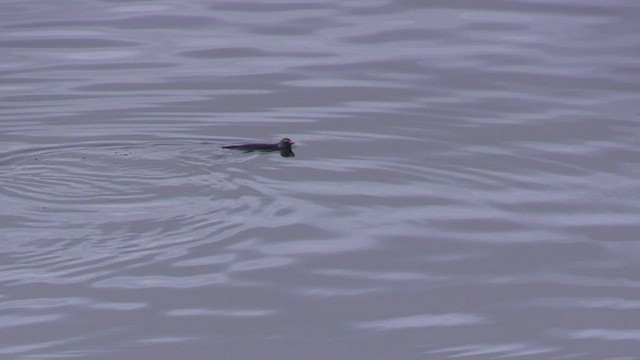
{"x":465,"y":182}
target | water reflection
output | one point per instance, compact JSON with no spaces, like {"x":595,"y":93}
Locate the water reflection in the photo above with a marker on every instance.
{"x":287,"y":153}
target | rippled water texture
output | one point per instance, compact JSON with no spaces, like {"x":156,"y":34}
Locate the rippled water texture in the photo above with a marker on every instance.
{"x":465,"y":182}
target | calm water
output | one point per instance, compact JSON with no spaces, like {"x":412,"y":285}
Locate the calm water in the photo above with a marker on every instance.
{"x":465,"y":182}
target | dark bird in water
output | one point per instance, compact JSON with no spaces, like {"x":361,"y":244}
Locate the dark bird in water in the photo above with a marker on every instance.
{"x":284,"y":146}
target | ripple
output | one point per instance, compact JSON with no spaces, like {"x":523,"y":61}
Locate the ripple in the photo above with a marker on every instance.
{"x":99,"y":172}
{"x":606,"y":334}
{"x":132,"y":203}
{"x":500,"y":350}
{"x":587,"y":303}
{"x":173,"y":282}
{"x":65,"y":43}
{"x":18,"y":320}
{"x":237,"y":313}
{"x":421,"y":321}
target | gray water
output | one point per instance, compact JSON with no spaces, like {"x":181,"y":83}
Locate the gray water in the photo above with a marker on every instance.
{"x":465,"y":182}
